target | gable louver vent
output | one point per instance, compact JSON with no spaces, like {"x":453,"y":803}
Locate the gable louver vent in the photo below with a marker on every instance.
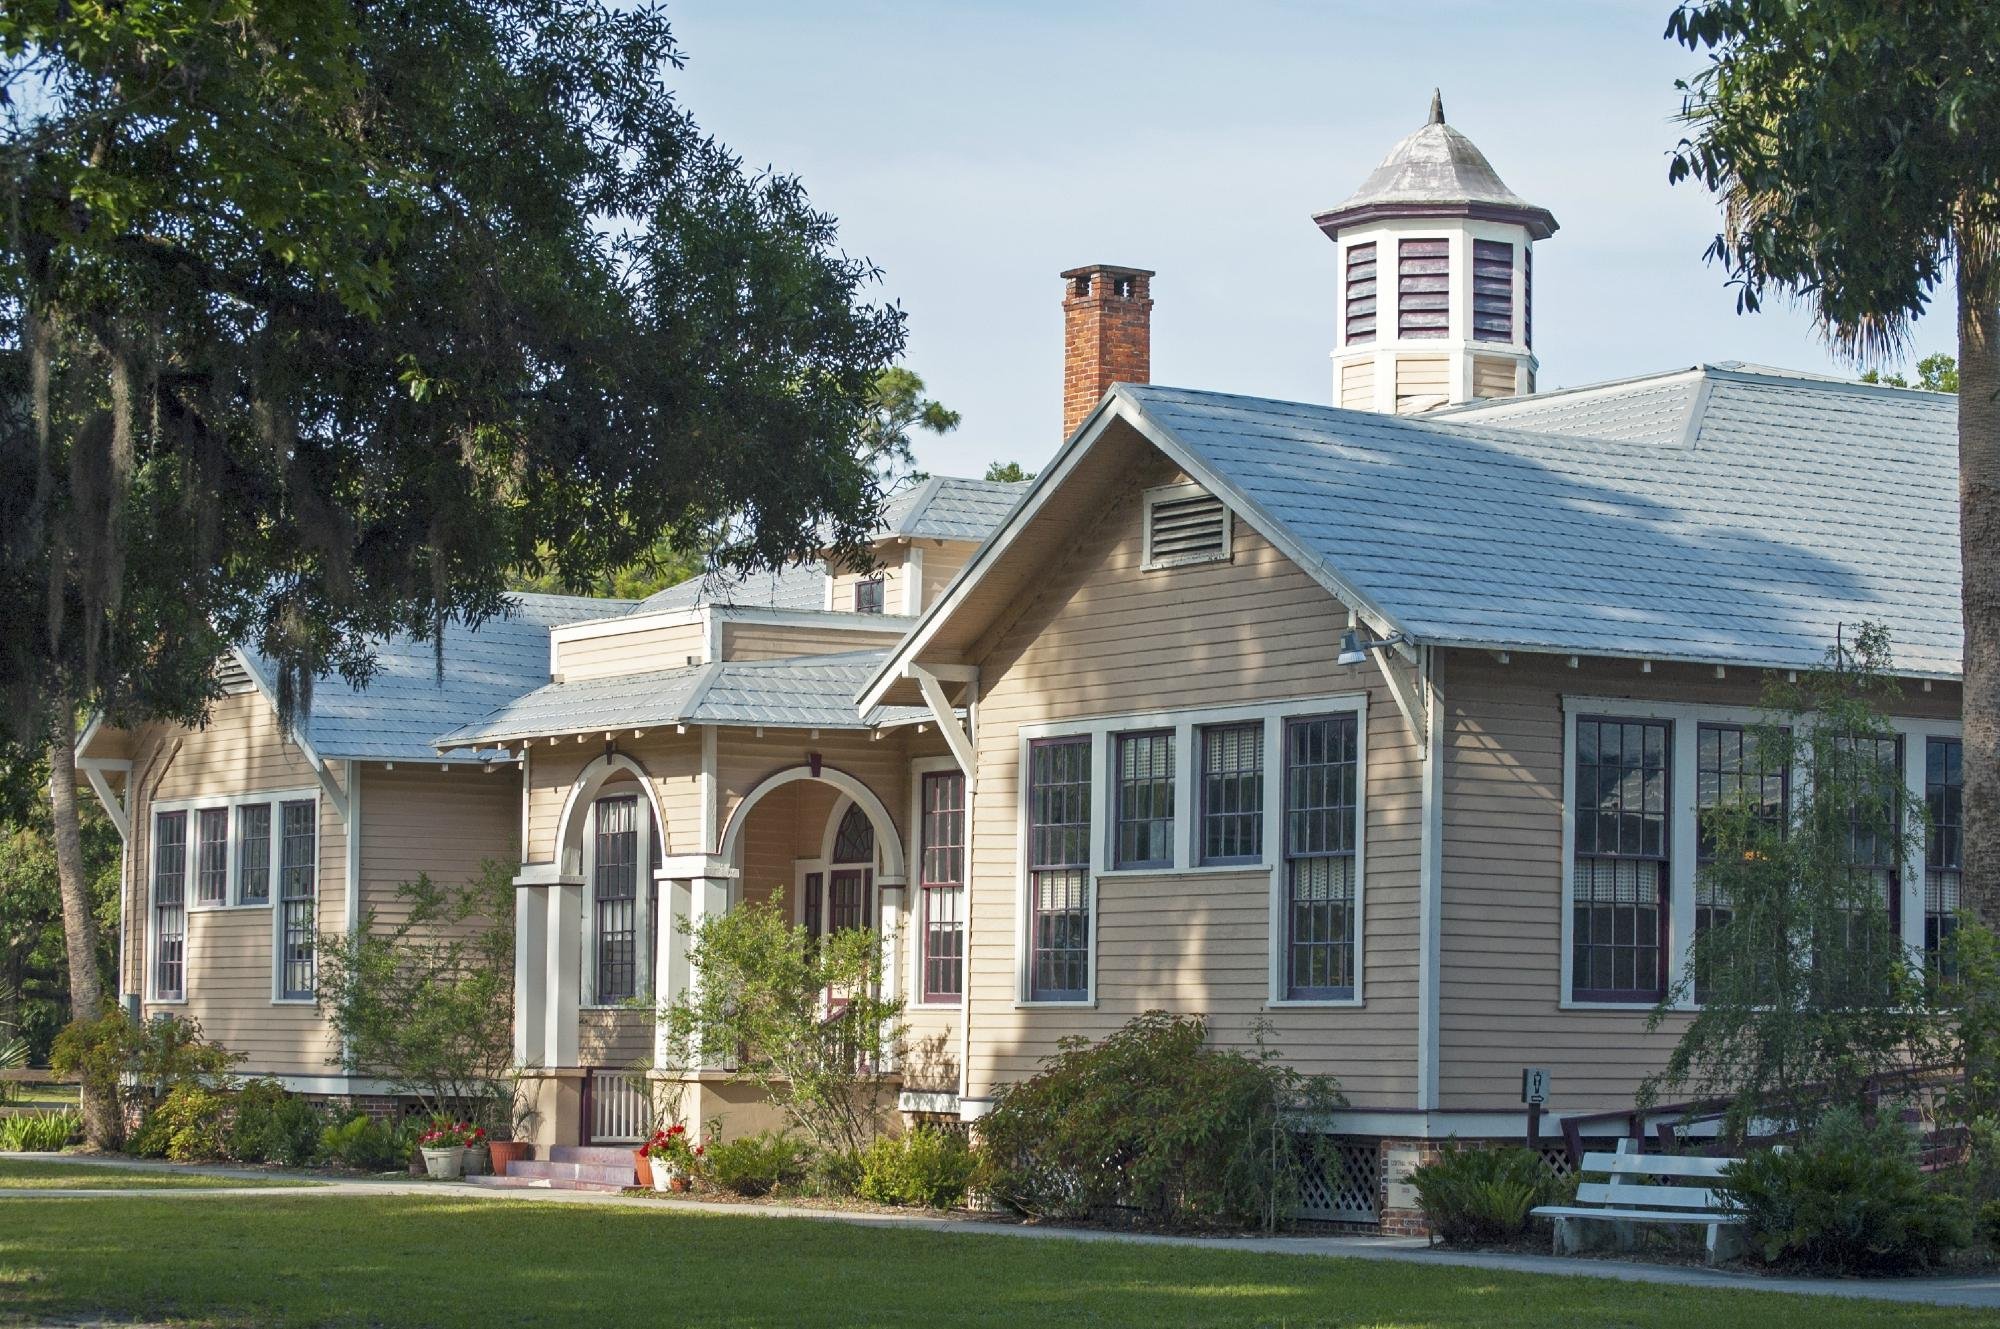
{"x":233,"y":677}
{"x":1185,"y":524}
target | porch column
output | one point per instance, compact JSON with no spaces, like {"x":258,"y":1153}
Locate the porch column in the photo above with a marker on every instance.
{"x":896,"y":916}
{"x":708,"y":897}
{"x":531,"y":917}
{"x":563,"y":994}
{"x":671,"y":945}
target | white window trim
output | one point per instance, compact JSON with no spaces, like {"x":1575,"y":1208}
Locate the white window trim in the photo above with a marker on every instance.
{"x":278,"y":801}
{"x":233,"y":900}
{"x":643,"y":889}
{"x":914,"y":990}
{"x":1169,"y":493}
{"x":1687,"y":719}
{"x":1184,"y":723}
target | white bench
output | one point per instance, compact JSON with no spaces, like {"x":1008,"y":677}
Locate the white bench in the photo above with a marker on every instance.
{"x":1641,"y":1190}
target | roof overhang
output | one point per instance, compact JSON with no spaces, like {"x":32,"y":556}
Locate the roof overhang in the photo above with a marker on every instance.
{"x":1117,"y":416}
{"x":1540,"y":222}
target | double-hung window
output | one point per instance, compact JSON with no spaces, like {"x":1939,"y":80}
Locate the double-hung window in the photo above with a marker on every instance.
{"x":1232,"y":793}
{"x":615,"y":896}
{"x":1322,"y":782}
{"x":1944,"y":842}
{"x":211,"y":857}
{"x":869,"y":595}
{"x":1143,"y":819}
{"x":298,"y":895}
{"x":1620,"y":860}
{"x":253,"y":853}
{"x":170,"y":906}
{"x":942,"y":870}
{"x":1730,"y":773}
{"x":1059,"y":835}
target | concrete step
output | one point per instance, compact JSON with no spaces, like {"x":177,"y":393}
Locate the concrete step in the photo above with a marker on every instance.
{"x":614,"y":1155}
{"x":612,"y":1174}
{"x":512,"y":1182}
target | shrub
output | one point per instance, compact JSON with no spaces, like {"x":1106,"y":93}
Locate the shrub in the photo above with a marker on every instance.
{"x":39,"y":1132}
{"x":364,"y":1143}
{"x":1155,"y":1122}
{"x":274,"y":1125}
{"x":1989,"y":1224}
{"x":1847,"y":1197}
{"x":761,"y":1004}
{"x":926,"y":1166}
{"x":756,"y":1164}
{"x":186,"y":1127}
{"x":1474,"y":1195}
{"x":136,"y":1065}
{"x":833,"y":1172}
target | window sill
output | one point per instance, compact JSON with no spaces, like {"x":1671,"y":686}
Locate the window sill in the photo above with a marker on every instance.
{"x":228,"y":908}
{"x":627,"y":1005}
{"x":1642,"y":1007}
{"x":1315,"y":1003}
{"x":295,"y":1001}
{"x":1200,"y":870}
{"x":959,"y":1005}
{"x":1045,"y":1004}
{"x":166,"y":1001}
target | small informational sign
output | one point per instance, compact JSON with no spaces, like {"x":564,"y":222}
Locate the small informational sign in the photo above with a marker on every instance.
{"x":1534,"y":1085}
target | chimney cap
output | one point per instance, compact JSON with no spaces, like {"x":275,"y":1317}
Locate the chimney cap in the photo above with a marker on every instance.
{"x":1114,"y":269}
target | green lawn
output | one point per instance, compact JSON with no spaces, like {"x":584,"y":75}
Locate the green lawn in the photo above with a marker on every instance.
{"x":420,"y":1260}
{"x":38,"y":1097}
{"x":21,"y":1174}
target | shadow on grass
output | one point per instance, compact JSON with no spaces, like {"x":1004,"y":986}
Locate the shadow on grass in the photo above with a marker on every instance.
{"x":416,"y":1260}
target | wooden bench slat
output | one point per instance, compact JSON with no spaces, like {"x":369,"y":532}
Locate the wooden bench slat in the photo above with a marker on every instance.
{"x":1657,"y":1197}
{"x":1631,"y":1215}
{"x":1659,"y":1165}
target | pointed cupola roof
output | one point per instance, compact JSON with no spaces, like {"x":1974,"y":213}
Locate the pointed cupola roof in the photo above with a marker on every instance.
{"x":1436,"y":172}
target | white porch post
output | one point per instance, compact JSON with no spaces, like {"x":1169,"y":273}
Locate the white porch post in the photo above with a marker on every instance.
{"x":708,"y":897}
{"x":531,"y":916}
{"x":671,"y":945}
{"x":564,"y":973}
{"x":895,"y":912}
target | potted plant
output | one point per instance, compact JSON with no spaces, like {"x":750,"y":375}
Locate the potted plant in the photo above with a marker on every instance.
{"x":503,"y":1154}
{"x":476,"y":1146}
{"x":443,"y":1147}
{"x":673,"y":1155}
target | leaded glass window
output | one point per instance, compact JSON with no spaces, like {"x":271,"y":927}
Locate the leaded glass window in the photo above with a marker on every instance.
{"x":1322,"y":780}
{"x":1232,"y":793}
{"x":1620,"y":857}
{"x":1059,"y":808}
{"x":1143,"y":824}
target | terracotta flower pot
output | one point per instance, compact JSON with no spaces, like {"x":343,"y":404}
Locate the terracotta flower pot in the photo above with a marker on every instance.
{"x":643,"y":1166}
{"x":505,"y":1153}
{"x":680,"y":1184}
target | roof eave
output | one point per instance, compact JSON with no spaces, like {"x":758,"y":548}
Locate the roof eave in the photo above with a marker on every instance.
{"x":1540,"y":222}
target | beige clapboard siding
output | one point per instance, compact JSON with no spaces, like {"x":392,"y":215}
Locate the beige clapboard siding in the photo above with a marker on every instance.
{"x":943,"y":561}
{"x":1357,"y":385}
{"x":743,"y":761}
{"x":1103,"y":636}
{"x":893,"y":569}
{"x":1419,"y":377}
{"x":229,"y":975}
{"x":642,"y":650}
{"x":776,"y":641}
{"x":418,"y":821}
{"x":672,"y":760}
{"x":1492,"y":376}
{"x":1501,"y":915}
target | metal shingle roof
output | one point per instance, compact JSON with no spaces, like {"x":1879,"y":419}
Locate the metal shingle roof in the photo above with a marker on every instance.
{"x":404,"y":707}
{"x":800,"y":587}
{"x":950,"y":507}
{"x":1799,"y":505}
{"x":804,"y":692}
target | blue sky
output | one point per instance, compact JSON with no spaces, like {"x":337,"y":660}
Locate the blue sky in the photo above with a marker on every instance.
{"x":974,"y":151}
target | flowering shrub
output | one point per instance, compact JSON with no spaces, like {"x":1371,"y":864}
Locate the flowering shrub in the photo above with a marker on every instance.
{"x":452,"y":1135}
{"x":676,"y":1148}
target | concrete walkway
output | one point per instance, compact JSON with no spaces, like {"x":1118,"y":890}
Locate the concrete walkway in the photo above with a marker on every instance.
{"x":1979,"y":1293}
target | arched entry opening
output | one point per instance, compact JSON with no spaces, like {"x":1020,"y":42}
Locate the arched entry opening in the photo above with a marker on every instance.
{"x":611,"y":839}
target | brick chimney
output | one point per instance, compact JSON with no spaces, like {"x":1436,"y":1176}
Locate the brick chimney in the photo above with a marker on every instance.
{"x":1107,"y":335}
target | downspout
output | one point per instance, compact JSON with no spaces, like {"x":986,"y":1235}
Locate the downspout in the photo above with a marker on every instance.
{"x":1430,"y":885}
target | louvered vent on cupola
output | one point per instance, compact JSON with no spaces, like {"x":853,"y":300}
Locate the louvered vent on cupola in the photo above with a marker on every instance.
{"x":1185,"y":524}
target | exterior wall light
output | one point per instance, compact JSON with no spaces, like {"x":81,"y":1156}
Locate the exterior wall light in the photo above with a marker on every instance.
{"x":1354,"y":651}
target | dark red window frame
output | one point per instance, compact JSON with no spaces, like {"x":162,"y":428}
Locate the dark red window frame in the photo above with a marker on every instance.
{"x":941,"y":873}
{"x":1059,"y":885}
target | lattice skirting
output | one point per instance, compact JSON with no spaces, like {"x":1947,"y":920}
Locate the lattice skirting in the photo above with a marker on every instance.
{"x":1343,"y":1185}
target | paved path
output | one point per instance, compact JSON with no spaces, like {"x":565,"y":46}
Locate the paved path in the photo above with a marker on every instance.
{"x":1980,"y":1292}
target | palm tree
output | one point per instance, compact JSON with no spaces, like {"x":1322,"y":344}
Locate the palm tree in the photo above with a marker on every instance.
{"x":1850,"y":144}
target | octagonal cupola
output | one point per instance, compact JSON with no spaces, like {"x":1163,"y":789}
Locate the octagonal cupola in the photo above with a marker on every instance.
{"x":1436,"y":278}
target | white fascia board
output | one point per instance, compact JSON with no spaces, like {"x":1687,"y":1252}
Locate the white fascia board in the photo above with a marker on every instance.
{"x":766,"y":616}
{"x":1670,"y":656}
{"x":618,"y":627}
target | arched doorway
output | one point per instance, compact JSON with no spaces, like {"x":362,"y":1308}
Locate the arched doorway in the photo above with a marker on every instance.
{"x":837,"y":892}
